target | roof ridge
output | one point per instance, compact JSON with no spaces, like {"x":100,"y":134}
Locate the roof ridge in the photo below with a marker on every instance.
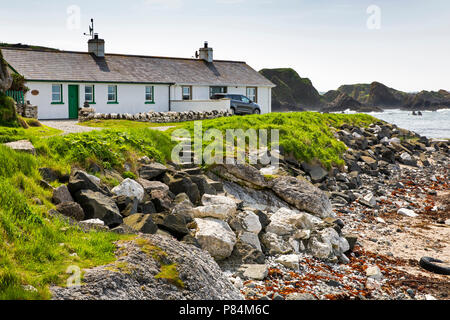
{"x":114,"y":54}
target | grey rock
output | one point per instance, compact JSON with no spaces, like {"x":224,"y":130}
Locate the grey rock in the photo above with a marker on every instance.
{"x":61,"y":194}
{"x":254,"y":271}
{"x":141,"y":223}
{"x":151,"y":171}
{"x":72,"y":210}
{"x":303,"y":195}
{"x":132,"y":276}
{"x":98,"y":206}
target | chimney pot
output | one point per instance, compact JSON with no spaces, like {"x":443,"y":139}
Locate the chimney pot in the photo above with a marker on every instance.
{"x":206,"y":53}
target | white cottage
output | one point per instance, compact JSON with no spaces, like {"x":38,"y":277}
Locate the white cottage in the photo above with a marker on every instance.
{"x":62,"y":81}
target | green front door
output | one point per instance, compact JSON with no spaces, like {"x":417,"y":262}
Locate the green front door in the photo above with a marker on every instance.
{"x":74,"y":101}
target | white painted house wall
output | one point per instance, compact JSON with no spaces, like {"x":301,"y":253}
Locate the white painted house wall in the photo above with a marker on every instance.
{"x":131,"y":99}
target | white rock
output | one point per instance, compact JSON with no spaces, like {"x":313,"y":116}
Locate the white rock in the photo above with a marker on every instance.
{"x":275,"y":244}
{"x":254,"y":271}
{"x":406,"y":156}
{"x":93,"y":221}
{"x":218,"y":207}
{"x":251,"y":239}
{"x":380,"y":220}
{"x":370,"y":198}
{"x":216,"y":237}
{"x":285,"y":222}
{"x":129,"y":188}
{"x":407,"y":212}
{"x":394,"y":140}
{"x":209,"y":199}
{"x":269,"y":171}
{"x":447,"y":222}
{"x":250,"y":222}
{"x":221,"y":212}
{"x":290,"y":261}
{"x":321,"y":250}
{"x":429,"y":297}
{"x":374,"y":272}
{"x":328,"y":242}
{"x":356,"y":135}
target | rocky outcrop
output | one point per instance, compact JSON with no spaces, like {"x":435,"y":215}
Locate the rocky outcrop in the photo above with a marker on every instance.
{"x":292,"y":93}
{"x":344,"y":102}
{"x":138,"y":274}
{"x":428,"y":100}
{"x":5,"y":77}
{"x":96,"y":205}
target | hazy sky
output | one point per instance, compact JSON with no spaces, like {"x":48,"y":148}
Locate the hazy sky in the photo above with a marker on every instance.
{"x":327,"y":41}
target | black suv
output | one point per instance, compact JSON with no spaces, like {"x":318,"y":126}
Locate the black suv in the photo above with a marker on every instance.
{"x":239,"y":104}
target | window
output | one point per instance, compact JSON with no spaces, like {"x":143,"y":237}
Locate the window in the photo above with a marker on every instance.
{"x":187,"y":93}
{"x":89,"y":94}
{"x":57,"y":94}
{"x":245,"y":99}
{"x":214,"y":90}
{"x":149,"y":94}
{"x":112,"y":94}
{"x":252,"y":93}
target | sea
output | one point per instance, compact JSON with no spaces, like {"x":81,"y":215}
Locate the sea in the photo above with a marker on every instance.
{"x":431,"y":124}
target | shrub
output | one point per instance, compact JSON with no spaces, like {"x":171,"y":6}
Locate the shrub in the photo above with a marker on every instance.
{"x":8,"y":115}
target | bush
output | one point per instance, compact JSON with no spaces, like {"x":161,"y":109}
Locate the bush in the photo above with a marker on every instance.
{"x":8,"y":115}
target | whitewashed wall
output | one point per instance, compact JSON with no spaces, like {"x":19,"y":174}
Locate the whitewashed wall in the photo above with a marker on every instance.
{"x":131,"y":99}
{"x":200,"y":105}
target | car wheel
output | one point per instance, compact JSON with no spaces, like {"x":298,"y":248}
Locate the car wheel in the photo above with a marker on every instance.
{"x":233,"y":111}
{"x":256,"y":111}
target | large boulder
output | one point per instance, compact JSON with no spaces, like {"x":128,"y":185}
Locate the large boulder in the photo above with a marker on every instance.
{"x":152,"y":171}
{"x":71,"y":209}
{"x":150,"y":186}
{"x":242,"y":174}
{"x":130,"y":189}
{"x":219,"y":207}
{"x":184,"y":185}
{"x":134,"y":276}
{"x":127,"y":205}
{"x":141,"y":223}
{"x":81,"y":180}
{"x":303,"y":195}
{"x":61,"y":195}
{"x":216,"y":237}
{"x":327,"y":244}
{"x":286,"y":222}
{"x":98,"y":206}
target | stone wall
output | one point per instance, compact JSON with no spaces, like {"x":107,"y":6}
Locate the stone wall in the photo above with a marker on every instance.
{"x":86,"y":114}
{"x":27,"y":110}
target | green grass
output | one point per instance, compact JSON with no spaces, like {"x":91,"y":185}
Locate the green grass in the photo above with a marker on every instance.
{"x":124,"y":124}
{"x":34,"y":248}
{"x":305,"y":135}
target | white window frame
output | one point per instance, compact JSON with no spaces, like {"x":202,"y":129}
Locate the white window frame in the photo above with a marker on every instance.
{"x":92,"y":100}
{"x":115,"y":93}
{"x":152,"y":94}
{"x":60,"y":93}
{"x":254,"y":97}
{"x":183,"y":95}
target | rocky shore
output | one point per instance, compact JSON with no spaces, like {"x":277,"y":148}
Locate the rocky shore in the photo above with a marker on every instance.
{"x":302,"y":232}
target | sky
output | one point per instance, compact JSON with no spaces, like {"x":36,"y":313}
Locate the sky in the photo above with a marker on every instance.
{"x":404,"y":44}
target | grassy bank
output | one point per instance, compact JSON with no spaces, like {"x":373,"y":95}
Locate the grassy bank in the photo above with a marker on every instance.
{"x":36,"y":249}
{"x":306,"y":135}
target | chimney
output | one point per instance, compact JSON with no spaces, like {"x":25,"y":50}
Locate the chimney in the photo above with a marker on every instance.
{"x":97,"y":46}
{"x":206,"y":53}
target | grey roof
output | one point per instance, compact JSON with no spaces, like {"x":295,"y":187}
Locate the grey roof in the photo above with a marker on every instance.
{"x":85,"y":67}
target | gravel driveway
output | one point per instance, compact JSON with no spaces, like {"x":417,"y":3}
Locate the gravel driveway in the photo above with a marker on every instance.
{"x":71,"y":126}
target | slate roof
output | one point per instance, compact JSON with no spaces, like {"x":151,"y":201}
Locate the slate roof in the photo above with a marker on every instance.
{"x":71,"y":66}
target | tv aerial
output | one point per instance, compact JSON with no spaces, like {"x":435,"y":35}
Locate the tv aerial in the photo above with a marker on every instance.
{"x":91,"y":30}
